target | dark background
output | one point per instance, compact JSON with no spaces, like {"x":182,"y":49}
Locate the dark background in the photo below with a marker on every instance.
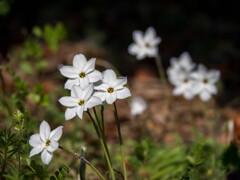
{"x":209,"y":29}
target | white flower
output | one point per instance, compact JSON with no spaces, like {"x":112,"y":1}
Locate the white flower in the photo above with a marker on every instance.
{"x":138,"y":105}
{"x":144,"y":45}
{"x":112,"y":87}
{"x":183,"y":64}
{"x":82,"y":72}
{"x":184,"y":86}
{"x":79,"y":101}
{"x":45,"y":142}
{"x":205,"y":82}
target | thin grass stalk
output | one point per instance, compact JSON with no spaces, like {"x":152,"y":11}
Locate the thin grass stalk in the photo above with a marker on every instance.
{"x":120,"y":141}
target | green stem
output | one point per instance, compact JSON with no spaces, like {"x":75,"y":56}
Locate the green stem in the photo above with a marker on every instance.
{"x":86,"y":161}
{"x":97,"y":119}
{"x":103,"y":146}
{"x":103,"y":132}
{"x":120,"y":141}
{"x":160,"y":69}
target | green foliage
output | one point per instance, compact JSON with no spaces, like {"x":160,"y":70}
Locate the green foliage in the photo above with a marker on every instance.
{"x":156,"y":162}
{"x":4,"y":7}
{"x":19,"y":118}
{"x":204,"y":161}
{"x":51,"y":35}
{"x":39,"y":96}
{"x":61,"y":173}
{"x":231,"y":158}
{"x":31,"y":49}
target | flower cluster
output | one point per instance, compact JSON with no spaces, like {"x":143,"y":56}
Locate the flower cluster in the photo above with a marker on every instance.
{"x":145,"y":45}
{"x":89,"y":88}
{"x":189,"y":82}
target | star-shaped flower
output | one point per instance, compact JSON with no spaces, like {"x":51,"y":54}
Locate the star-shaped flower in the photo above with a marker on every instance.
{"x":79,"y":101}
{"x":145,"y":45}
{"x":178,"y":66}
{"x":184,"y":86}
{"x":205,"y":82}
{"x":112,"y":88}
{"x":82,"y":72}
{"x":45,"y":142}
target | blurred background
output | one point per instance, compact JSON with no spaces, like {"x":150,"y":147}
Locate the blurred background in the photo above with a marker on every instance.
{"x":37,"y":37}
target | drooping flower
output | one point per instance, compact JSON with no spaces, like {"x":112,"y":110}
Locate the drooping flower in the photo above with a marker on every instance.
{"x":138,"y":105}
{"x":79,"y":101}
{"x":145,"y":45}
{"x":112,"y":88}
{"x":178,"y":66}
{"x":82,"y":72}
{"x":204,"y":82}
{"x":46,"y":142}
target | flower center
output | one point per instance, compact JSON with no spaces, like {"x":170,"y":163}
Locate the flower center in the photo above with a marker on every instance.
{"x":205,"y":81}
{"x":47,"y":142}
{"x":81,"y":102}
{"x":82,"y":75}
{"x":185,"y":80}
{"x":110,"y":90}
{"x":147,"y":45}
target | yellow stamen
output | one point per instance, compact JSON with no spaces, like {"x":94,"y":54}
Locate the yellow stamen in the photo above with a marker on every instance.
{"x":81,"y":102}
{"x":82,"y":75}
{"x":47,"y":142}
{"x":205,"y":81}
{"x":110,"y":90}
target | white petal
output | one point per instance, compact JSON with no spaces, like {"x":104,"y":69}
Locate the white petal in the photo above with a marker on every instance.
{"x":35,"y":140}
{"x":188,"y":95}
{"x":70,"y":83}
{"x":152,"y":52}
{"x":109,"y":76}
{"x":70,"y":113}
{"x":76,"y":92}
{"x":205,"y":96}
{"x":69,"y":72}
{"x":156,"y":41}
{"x":120,"y":82}
{"x":111,"y":97}
{"x":36,"y":150}
{"x":101,"y":95}
{"x":46,"y":157}
{"x":138,"y":37}
{"x":79,"y":61}
{"x":93,"y":101}
{"x":84,"y":82}
{"x":102,"y":87}
{"x":211,"y":89}
{"x":44,"y":130}
{"x":68,"y":101}
{"x":89,"y":66}
{"x":150,"y":34}
{"x":141,"y":54}
{"x":94,"y":76}
{"x":87,"y":92}
{"x":178,"y":90}
{"x":80,"y":112}
{"x":213,"y":76}
{"x":53,"y":146}
{"x":133,"y":49}
{"x":56,"y":133}
{"x":123,"y":93}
